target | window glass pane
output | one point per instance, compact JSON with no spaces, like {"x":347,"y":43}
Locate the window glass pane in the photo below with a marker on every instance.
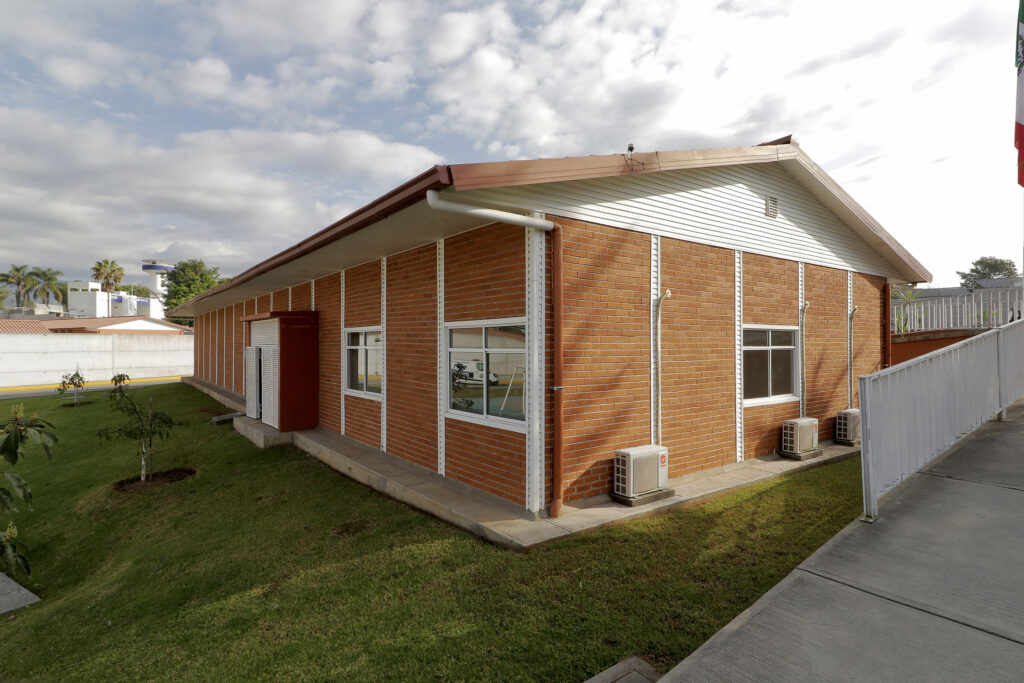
{"x":755,"y":374}
{"x":354,"y":338}
{"x":507,"y":372}
{"x":356,"y":370}
{"x":755,"y":337}
{"x":782,"y":372}
{"x":374,"y":368}
{"x":783,"y":338}
{"x":373,"y":338}
{"x":466,"y":338}
{"x":506,"y":337}
{"x":467,"y":381}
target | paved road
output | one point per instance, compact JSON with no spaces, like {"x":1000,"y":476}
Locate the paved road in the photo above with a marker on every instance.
{"x":932,"y":591}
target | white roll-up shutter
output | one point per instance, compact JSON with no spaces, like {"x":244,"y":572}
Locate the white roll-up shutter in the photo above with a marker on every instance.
{"x":264,"y":333}
{"x":269,"y":383}
{"x":252,"y":381}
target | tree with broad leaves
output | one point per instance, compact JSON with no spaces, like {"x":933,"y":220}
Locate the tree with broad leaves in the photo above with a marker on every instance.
{"x":73,"y":381}
{"x":140,"y":427}
{"x":188,"y":279}
{"x":985,"y":268}
{"x":16,"y":433}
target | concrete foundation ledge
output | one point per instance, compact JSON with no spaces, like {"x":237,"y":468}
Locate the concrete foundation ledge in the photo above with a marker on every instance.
{"x":261,"y":435}
{"x":417,"y":486}
{"x":226,"y":398}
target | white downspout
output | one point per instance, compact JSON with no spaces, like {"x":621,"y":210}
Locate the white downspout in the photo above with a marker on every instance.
{"x":435,"y":201}
{"x":657,"y":362}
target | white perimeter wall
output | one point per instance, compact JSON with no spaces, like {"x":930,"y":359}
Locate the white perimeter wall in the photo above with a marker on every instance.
{"x":31,"y":359}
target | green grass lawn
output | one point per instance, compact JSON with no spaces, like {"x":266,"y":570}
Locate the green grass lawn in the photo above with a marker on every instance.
{"x":269,"y":564}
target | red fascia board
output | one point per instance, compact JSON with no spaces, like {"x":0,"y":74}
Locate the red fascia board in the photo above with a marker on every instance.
{"x":397,"y":199}
{"x":312,"y":316}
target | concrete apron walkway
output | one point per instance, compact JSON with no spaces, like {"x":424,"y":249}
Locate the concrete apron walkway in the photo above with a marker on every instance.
{"x":497,"y":520}
{"x":933,"y":590}
{"x":13,"y":596}
{"x":503,"y":522}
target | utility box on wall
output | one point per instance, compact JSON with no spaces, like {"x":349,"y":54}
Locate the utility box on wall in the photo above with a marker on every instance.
{"x":282,"y":382}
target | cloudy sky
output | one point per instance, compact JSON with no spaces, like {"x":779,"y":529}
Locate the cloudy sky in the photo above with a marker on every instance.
{"x":228,"y":129}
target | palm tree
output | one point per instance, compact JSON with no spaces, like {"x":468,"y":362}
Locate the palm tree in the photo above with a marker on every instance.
{"x":46,"y":281}
{"x":19,"y":278}
{"x":5,"y":293}
{"x":108,"y":274}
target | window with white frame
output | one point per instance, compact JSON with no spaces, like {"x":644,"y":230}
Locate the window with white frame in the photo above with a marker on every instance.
{"x":364,"y":358}
{"x":487,"y":369}
{"x":769,"y":363}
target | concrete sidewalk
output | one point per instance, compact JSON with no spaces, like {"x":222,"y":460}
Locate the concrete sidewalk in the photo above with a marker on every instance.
{"x":933,"y":590}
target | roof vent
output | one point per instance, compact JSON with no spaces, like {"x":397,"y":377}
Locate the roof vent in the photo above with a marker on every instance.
{"x":771,"y":206}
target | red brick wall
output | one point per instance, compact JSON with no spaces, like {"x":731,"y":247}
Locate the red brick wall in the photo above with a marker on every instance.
{"x":328,"y":303}
{"x":485,"y":274}
{"x":227,"y":372}
{"x":869,"y":327}
{"x":263,"y":304}
{"x":698,"y":364}
{"x":197,"y":347}
{"x":280,"y":300}
{"x":362,"y":420}
{"x":771,"y":291}
{"x":825,"y":360}
{"x":762,"y":427}
{"x":606,"y":362}
{"x":362,"y":295}
{"x":493,"y":460}
{"x":239,"y":350}
{"x":412,"y":355}
{"x":301,"y":297}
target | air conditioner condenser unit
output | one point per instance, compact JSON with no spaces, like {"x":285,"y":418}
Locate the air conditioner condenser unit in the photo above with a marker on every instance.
{"x":800,"y":438}
{"x":848,"y":427}
{"x":641,"y":475}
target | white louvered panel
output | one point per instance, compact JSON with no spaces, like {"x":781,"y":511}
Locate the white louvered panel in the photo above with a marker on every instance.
{"x":269,"y":384}
{"x":264,"y":333}
{"x":723,"y":207}
{"x":252,"y":381}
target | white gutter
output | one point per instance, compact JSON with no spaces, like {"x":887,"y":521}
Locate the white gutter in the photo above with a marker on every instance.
{"x":435,"y":202}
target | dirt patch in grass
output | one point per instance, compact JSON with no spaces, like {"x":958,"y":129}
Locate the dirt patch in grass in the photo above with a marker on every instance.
{"x":154,"y":480}
{"x":77,"y":405}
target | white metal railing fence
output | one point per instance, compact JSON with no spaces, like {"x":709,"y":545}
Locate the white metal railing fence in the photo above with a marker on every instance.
{"x":912,"y":412}
{"x":984,"y":309}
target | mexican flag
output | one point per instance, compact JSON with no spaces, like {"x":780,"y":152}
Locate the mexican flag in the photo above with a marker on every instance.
{"x":1018,"y":133}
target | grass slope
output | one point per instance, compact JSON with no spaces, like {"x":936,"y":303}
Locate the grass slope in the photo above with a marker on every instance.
{"x":268,"y":564}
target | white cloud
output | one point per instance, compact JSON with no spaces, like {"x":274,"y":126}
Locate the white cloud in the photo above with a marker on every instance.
{"x":294,"y":99}
{"x":86,"y":191}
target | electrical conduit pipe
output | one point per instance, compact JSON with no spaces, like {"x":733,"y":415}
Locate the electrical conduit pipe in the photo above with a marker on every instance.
{"x":657,"y":361}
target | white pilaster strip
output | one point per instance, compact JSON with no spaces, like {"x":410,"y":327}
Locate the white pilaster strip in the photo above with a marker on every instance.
{"x":384,"y":354}
{"x":801,"y":339}
{"x":442,"y":353}
{"x":289,"y":298}
{"x":344,"y":356}
{"x":271,"y":301}
{"x":312,"y":295}
{"x":738,"y":345}
{"x":216,"y":340}
{"x":655,"y":292}
{"x":536,"y":241}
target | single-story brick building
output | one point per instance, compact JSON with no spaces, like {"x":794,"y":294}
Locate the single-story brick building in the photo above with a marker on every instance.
{"x":497,"y":323}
